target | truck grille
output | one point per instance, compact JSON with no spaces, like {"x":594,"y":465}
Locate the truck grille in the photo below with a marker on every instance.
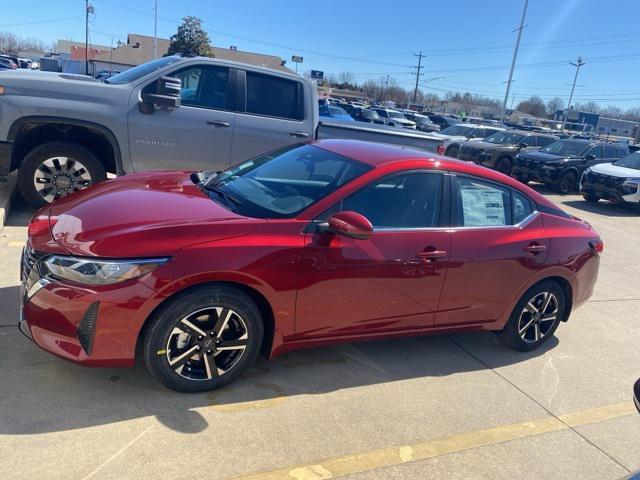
{"x":606,"y":181}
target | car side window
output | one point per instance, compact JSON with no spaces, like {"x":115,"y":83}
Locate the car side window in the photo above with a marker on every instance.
{"x":610,"y":152}
{"x":203,"y":86}
{"x":521,"y":207}
{"x":274,"y":96}
{"x":410,"y":200}
{"x":595,"y":151}
{"x":544,"y":141}
{"x":622,"y":152}
{"x":531,"y":141}
{"x":482,"y":204}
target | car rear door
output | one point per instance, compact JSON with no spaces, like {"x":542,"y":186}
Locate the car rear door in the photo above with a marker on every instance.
{"x":497,"y":245}
{"x":275,"y":111}
{"x":196,"y":135}
{"x":388,"y":282}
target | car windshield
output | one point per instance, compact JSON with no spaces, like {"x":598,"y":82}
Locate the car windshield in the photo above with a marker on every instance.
{"x":141,"y":70}
{"x":421,"y":120}
{"x":505,"y":138}
{"x":281,"y":184}
{"x":398,"y":115}
{"x":567,"y":148}
{"x":337,"y":111}
{"x":630,"y":161}
{"x":457,"y":130}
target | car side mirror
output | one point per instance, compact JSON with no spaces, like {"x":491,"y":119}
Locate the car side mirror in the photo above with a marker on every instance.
{"x":349,"y":224}
{"x":590,"y":158}
{"x":167,"y":95}
{"x":522,"y":145}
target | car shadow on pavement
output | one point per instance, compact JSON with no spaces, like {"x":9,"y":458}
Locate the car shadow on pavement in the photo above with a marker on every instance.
{"x":42,"y":393}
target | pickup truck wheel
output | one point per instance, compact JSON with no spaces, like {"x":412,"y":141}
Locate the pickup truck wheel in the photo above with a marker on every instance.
{"x":503,"y":165}
{"x":54,"y":170}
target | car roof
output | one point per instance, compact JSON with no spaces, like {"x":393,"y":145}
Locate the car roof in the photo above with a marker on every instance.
{"x":381,"y":155}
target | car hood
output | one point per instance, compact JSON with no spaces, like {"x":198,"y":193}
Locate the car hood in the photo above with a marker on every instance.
{"x":615,"y":171}
{"x":541,"y":157}
{"x":453,"y":138}
{"x":492,"y":146}
{"x":403,"y":121}
{"x":142,"y":215}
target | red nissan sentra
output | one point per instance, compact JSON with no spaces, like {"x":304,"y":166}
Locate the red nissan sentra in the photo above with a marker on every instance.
{"x":315,"y":244}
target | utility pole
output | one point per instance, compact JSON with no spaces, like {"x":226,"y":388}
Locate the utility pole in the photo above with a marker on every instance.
{"x":86,"y":37}
{"x":513,"y":96}
{"x":578,"y":64}
{"x":155,"y":30}
{"x":417,"y":74}
{"x":513,"y":61}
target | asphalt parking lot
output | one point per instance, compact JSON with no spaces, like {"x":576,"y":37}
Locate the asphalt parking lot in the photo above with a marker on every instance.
{"x":448,"y":406}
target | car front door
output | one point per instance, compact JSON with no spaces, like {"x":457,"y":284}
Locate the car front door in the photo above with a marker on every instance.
{"x":197,"y":134}
{"x":497,"y":245}
{"x":272,"y":115}
{"x":390,"y":281}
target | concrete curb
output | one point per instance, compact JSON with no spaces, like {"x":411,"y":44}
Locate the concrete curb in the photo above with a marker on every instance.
{"x":8,"y":191}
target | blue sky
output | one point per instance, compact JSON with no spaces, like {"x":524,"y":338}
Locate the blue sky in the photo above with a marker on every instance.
{"x":469,"y":42}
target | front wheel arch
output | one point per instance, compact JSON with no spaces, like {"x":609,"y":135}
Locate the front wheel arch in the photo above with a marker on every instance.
{"x":260,"y":300}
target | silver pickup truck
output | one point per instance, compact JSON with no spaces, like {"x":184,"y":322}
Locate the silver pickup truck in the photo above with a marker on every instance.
{"x":65,"y":132}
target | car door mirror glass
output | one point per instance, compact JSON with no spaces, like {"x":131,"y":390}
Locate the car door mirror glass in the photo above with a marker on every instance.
{"x":590,"y":158}
{"x":350,"y":224}
{"x":167,"y":95}
{"x":523,"y":145}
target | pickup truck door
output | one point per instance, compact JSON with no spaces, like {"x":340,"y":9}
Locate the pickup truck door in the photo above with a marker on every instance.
{"x":274,"y":112}
{"x":198,"y":134}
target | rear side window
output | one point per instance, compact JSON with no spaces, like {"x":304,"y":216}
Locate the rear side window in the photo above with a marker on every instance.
{"x":595,"y":151}
{"x":274,"y":96}
{"x":544,"y":141}
{"x":482,"y":204}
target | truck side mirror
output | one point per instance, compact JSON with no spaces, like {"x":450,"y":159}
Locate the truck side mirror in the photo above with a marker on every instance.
{"x":167,"y":95}
{"x":590,"y":158}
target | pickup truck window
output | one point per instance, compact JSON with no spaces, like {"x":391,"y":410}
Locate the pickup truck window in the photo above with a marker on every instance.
{"x":141,"y":70}
{"x":203,"y":86}
{"x":274,"y":97}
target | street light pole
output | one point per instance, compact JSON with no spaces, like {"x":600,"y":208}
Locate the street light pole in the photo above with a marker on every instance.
{"x":155,"y":30}
{"x":86,"y":37}
{"x":575,"y":78}
{"x":513,"y":61}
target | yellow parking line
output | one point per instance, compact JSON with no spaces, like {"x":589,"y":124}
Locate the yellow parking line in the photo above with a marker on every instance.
{"x":387,"y":457}
{"x":17,"y":244}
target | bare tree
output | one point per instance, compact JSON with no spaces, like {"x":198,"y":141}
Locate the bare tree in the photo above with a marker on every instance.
{"x":533,"y":106}
{"x":591,"y":107}
{"x":553,"y":105}
{"x":611,"y":111}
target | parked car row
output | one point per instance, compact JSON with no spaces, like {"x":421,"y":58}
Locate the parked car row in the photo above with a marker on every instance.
{"x":598,"y":169}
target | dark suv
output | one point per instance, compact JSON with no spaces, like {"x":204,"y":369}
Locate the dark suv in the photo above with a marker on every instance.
{"x":498,"y":151}
{"x":561,"y":164}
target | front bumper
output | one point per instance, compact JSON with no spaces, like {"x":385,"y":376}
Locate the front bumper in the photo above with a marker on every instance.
{"x":609,"y":188}
{"x":476,"y":155}
{"x":92,"y":325}
{"x":636,"y":394}
{"x":6,"y":155}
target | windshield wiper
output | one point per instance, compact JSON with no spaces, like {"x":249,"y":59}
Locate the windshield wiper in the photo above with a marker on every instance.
{"x":229,"y":199}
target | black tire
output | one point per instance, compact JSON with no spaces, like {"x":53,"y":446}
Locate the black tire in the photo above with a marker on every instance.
{"x":160,"y":335}
{"x":92,"y":171}
{"x":516,"y":336}
{"x":504,"y":165}
{"x":522,"y":178}
{"x":590,"y":197}
{"x":567,"y":183}
{"x":452,"y":151}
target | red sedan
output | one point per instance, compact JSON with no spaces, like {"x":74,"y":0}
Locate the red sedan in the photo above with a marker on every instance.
{"x":315,"y":244}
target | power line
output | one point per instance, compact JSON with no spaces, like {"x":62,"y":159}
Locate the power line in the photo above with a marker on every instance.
{"x":63,"y":19}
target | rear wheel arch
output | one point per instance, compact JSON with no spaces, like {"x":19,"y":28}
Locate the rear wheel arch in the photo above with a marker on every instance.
{"x":30,"y":132}
{"x":257,"y":297}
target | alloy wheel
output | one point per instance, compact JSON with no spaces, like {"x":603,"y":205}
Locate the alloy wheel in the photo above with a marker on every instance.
{"x":207,"y":343}
{"x":538,"y":317}
{"x":57,"y":177}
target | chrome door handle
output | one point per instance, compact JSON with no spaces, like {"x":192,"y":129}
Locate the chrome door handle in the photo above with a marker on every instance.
{"x":218,"y":123}
{"x":299,"y":134}
{"x":534,"y":248}
{"x":429,"y":255}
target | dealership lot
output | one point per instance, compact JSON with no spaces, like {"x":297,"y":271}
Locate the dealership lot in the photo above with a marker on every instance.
{"x":449,"y":406}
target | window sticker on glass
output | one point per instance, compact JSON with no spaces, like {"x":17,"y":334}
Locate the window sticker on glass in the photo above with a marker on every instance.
{"x":482,"y":207}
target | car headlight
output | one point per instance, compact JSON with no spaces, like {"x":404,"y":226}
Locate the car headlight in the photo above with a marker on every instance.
{"x":99,"y":272}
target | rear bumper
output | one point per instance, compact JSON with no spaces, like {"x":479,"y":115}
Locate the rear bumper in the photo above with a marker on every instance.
{"x":6,"y":154}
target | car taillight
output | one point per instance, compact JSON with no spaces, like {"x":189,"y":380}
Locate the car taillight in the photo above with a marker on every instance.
{"x":597,"y":245}
{"x":440,"y":150}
